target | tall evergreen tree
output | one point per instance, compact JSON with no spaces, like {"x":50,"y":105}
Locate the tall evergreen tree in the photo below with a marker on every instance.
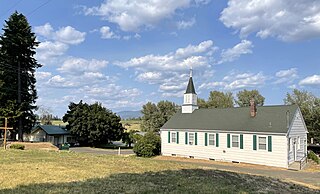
{"x":17,"y":67}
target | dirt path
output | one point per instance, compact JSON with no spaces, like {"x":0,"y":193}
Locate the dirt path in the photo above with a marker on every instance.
{"x":310,"y":179}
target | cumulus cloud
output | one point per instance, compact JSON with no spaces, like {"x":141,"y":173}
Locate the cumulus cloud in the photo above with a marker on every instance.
{"x":182,"y":59}
{"x":79,"y":65}
{"x":236,"y":81}
{"x":183,"y":24}
{"x":131,"y":15}
{"x":286,"y":20}
{"x":48,"y":50}
{"x":231,"y":54}
{"x":106,"y":33}
{"x":56,"y":43}
{"x":286,"y":76}
{"x":69,"y":35}
{"x":313,"y":80}
{"x":41,"y":75}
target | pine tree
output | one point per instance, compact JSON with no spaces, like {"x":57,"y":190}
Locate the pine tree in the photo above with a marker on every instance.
{"x":17,"y":68}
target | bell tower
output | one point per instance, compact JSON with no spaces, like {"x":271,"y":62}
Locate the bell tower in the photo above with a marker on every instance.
{"x":190,"y":97}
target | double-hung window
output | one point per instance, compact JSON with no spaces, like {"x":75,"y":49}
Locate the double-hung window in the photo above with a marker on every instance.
{"x":174,"y":137}
{"x":262,"y":143}
{"x":211,"y":140}
{"x":191,"y":138}
{"x":235,"y":141}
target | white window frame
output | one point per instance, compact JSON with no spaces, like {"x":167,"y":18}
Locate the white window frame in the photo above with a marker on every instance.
{"x":193,"y":140}
{"x":298,"y":143}
{"x":213,"y":140}
{"x":290,"y":144}
{"x":266,"y":143}
{"x":238,"y":136}
{"x":175,"y":137}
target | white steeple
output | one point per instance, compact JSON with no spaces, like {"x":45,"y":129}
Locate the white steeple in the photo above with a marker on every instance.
{"x":190,"y":97}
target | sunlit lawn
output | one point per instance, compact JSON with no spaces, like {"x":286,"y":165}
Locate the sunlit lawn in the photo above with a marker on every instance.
{"x":32,"y":171}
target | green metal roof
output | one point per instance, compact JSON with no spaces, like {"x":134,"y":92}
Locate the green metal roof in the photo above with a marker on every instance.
{"x":271,"y":119}
{"x":190,"y":87}
{"x":52,"y":129}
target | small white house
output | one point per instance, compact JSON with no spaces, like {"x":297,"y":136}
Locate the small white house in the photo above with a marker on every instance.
{"x":266,"y":135}
{"x":49,"y":133}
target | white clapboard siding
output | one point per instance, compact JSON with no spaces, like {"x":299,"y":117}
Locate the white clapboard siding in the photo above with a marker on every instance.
{"x":278,"y":156}
{"x":297,"y":132}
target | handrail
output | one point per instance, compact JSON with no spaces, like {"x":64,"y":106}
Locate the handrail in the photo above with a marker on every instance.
{"x":303,"y":162}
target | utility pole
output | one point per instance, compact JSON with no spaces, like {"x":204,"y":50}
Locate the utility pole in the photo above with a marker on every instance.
{"x":19,"y":102}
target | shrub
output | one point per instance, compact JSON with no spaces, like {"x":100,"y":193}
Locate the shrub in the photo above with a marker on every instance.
{"x":314,"y":157}
{"x":149,"y":145}
{"x":17,"y":146}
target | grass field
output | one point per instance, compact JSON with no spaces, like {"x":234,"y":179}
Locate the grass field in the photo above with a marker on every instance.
{"x":132,"y":124}
{"x":31,"y":171}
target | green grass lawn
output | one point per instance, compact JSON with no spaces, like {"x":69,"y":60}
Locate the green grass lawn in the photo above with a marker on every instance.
{"x":64,"y":172}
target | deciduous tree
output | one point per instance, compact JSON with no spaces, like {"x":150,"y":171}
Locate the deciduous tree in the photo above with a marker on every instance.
{"x":244,"y":97}
{"x":220,"y":100}
{"x":93,"y":124}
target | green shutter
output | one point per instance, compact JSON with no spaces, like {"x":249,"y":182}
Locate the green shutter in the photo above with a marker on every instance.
{"x":177,"y":137}
{"x":241,"y":141}
{"x":196,"y":139}
{"x":168,"y":136}
{"x":186,"y":138}
{"x":206,"y":139}
{"x":270,"y":143}
{"x":254,"y":142}
{"x":217,"y":139}
{"x":228,"y":140}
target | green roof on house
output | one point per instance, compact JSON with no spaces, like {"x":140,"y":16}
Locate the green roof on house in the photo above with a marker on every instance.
{"x":271,"y":119}
{"x":52,"y":129}
{"x":190,"y":87}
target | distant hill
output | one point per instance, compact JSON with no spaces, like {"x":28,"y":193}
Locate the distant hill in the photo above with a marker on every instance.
{"x":129,"y":114}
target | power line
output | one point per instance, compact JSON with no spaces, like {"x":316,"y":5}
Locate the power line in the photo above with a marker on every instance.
{"x":14,"y":5}
{"x":33,"y":11}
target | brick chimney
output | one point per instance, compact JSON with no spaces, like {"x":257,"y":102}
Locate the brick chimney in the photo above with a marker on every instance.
{"x":253,"y":108}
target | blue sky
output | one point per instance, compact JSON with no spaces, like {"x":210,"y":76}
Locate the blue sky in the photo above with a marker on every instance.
{"x":124,"y":53}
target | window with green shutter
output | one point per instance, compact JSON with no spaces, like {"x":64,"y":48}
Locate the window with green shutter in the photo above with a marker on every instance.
{"x":186,"y":138}
{"x":177,"y":137}
{"x":241,"y":141}
{"x":168,"y":136}
{"x":217,"y":139}
{"x":270,"y":143}
{"x":196,"y":138}
{"x":206,"y":139}
{"x":254,"y":142}
{"x":228,"y":140}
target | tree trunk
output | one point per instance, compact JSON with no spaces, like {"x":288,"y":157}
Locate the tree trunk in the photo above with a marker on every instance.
{"x":20,"y":133}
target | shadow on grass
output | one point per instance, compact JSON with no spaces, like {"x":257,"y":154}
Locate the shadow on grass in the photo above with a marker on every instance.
{"x":180,"y":181}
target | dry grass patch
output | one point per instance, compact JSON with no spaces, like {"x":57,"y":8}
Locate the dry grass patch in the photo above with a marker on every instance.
{"x":38,"y":146}
{"x":32,"y":171}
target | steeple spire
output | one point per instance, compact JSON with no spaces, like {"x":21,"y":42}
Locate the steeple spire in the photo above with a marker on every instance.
{"x":190,"y":97}
{"x":190,"y":87}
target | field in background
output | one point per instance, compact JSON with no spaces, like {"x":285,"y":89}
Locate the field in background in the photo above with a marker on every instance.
{"x":132,"y":124}
{"x":58,"y":122}
{"x":31,"y":171}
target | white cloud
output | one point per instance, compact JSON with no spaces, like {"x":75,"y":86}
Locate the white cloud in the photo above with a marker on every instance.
{"x":77,"y":65}
{"x":286,"y":76}
{"x":245,"y":80}
{"x":45,"y":30}
{"x":313,"y":80}
{"x":212,"y":85}
{"x":286,"y":20}
{"x":58,"y":81}
{"x":181,"y":25}
{"x":182,"y":59}
{"x":69,"y":35}
{"x":106,"y":33}
{"x":231,"y":54}
{"x":48,"y":50}
{"x":41,"y":75}
{"x":131,"y":15}
{"x":151,"y":77}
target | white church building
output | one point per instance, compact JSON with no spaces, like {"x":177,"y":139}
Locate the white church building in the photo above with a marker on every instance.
{"x":265,"y":135}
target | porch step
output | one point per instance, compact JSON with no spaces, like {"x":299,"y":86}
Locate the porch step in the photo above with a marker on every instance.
{"x":294,"y":166}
